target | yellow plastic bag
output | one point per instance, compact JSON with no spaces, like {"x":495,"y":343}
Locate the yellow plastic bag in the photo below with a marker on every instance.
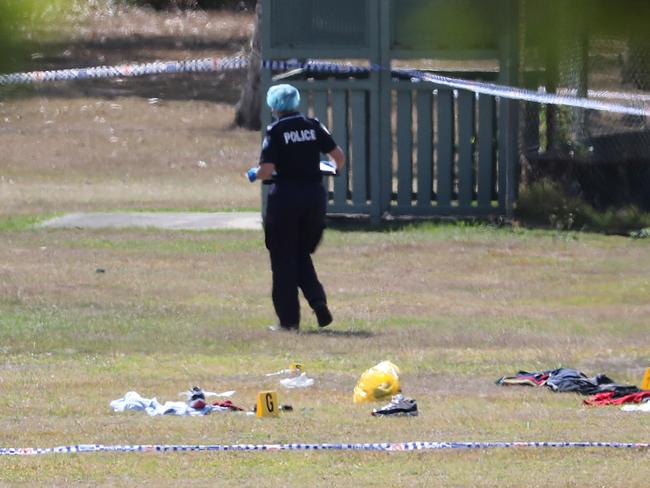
{"x":377,"y":383}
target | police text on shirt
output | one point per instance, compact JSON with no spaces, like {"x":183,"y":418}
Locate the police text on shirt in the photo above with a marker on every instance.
{"x":299,"y":135}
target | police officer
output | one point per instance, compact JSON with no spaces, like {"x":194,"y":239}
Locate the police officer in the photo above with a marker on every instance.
{"x":295,"y":212}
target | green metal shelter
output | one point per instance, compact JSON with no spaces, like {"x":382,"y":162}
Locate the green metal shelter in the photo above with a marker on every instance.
{"x":414,"y":148}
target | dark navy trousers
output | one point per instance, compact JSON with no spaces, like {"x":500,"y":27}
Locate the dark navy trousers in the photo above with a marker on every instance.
{"x":293,"y":228}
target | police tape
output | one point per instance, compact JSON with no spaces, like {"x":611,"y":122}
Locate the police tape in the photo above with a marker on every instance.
{"x":171,"y":67}
{"x":127,"y":70}
{"x":374,"y":446}
{"x":205,"y":65}
{"x":639,"y":105}
{"x":513,"y":93}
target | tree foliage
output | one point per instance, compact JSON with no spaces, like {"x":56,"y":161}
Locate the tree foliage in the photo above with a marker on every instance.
{"x":18,"y":17}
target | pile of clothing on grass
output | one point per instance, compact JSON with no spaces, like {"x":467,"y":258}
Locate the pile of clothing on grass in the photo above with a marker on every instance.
{"x":602,"y":389}
{"x":195,"y":405}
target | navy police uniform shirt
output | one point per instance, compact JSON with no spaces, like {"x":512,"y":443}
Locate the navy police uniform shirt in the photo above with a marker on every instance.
{"x":294,"y":144}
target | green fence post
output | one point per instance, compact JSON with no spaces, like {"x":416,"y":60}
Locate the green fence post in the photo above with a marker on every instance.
{"x":465,"y":149}
{"x":404,"y":149}
{"x":445,"y":148}
{"x":486,"y":151}
{"x":424,"y":107}
{"x":340,"y":132}
{"x":359,"y":139}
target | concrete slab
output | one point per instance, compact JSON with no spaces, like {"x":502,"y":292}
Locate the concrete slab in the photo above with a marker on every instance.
{"x":159,"y":220}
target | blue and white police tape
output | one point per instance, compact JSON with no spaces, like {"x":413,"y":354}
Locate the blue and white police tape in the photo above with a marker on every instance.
{"x":372,"y":446}
{"x":639,"y":105}
{"x":169,"y":67}
{"x":127,"y":70}
{"x":514,"y":93}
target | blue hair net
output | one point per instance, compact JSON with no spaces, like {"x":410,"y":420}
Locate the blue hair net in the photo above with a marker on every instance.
{"x":283,"y":98}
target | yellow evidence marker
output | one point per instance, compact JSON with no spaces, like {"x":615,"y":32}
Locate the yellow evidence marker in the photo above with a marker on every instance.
{"x":645,"y":383}
{"x":296,"y":367}
{"x":267,"y":404}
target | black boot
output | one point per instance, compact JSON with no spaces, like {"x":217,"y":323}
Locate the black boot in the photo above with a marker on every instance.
{"x":323,"y":315}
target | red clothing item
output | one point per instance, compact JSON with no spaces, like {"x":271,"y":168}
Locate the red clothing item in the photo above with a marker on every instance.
{"x":228,"y":404}
{"x":608,"y":398}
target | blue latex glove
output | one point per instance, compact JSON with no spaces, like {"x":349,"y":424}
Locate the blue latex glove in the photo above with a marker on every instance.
{"x":251,"y":174}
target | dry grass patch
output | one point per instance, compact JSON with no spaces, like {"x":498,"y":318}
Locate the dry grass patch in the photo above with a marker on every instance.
{"x":85,"y":155}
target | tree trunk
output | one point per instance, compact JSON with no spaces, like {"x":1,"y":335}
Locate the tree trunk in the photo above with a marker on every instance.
{"x":247,"y":111}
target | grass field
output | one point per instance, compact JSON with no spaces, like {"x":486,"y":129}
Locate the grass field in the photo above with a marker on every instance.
{"x":456,"y":306}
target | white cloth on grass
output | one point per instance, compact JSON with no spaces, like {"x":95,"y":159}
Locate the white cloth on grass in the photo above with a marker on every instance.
{"x":643,"y":407}
{"x":302,"y":381}
{"x":133,"y":401}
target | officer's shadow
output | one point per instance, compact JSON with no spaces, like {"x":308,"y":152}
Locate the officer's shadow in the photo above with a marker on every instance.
{"x":364,"y":334}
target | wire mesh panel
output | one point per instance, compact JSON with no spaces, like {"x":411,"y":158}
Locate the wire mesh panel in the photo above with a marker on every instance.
{"x":603,"y":55}
{"x":314,"y":24}
{"x":436,"y":26}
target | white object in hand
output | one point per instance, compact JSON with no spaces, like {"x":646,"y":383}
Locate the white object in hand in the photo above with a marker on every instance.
{"x":327,"y":167}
